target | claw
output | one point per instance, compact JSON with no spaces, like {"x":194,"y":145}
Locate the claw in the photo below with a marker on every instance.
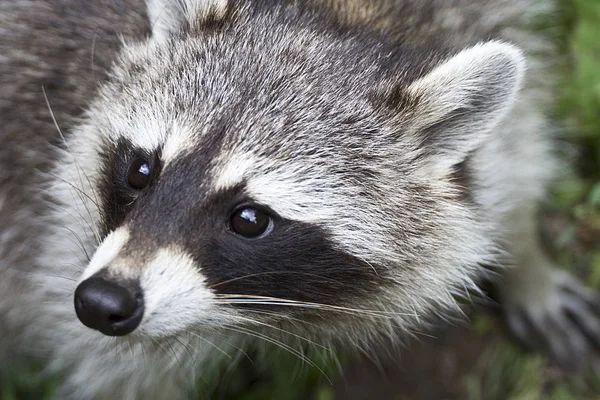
{"x":566,"y":323}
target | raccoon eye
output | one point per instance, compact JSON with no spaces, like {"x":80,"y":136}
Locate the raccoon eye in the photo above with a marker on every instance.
{"x":139,"y":173}
{"x":250,"y":222}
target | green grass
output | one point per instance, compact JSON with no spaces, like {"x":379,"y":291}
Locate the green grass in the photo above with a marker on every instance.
{"x":20,"y":383}
{"x":577,"y":197}
{"x":575,"y":204}
{"x":281,"y":375}
{"x":504,"y":371}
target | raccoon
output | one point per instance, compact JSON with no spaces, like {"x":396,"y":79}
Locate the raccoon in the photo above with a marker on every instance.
{"x":187,"y":175}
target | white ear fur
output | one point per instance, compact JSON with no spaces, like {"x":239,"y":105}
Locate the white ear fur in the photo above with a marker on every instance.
{"x":169,"y":16}
{"x":464,"y":98}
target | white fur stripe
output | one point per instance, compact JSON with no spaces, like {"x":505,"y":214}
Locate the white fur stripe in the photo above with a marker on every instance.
{"x":107,"y":252}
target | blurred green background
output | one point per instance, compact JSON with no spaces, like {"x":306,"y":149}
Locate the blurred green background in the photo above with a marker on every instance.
{"x":497,"y":368}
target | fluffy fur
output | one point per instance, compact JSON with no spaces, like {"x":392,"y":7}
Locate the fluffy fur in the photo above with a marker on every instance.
{"x":388,"y":140}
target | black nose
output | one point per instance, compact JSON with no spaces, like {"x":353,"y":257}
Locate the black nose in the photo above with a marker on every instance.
{"x":106,"y":306}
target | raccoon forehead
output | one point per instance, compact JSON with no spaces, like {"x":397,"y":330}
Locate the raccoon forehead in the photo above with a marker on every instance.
{"x":145,"y":127}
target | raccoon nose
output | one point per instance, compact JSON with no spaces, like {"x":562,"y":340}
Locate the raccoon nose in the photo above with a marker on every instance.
{"x":108,"y":307}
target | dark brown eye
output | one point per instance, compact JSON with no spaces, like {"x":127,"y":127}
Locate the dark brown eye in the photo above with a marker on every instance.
{"x":250,"y":222}
{"x":139,"y":174}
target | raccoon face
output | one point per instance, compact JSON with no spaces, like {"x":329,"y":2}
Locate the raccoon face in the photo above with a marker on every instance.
{"x":250,"y":166}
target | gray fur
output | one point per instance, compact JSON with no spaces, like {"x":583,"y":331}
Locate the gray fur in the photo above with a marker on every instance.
{"x":351,"y":118}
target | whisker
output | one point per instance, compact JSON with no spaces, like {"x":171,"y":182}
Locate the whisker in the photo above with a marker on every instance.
{"x":79,"y":190}
{"x":294,"y":321}
{"x":29,"y":274}
{"x":192,"y":357}
{"x":223,"y":338}
{"x":271,"y":273}
{"x":79,"y":242}
{"x":284,"y":331}
{"x":211,"y":344}
{"x":80,"y":220}
{"x":286,"y":304}
{"x":157,"y":344}
{"x":62,"y":277}
{"x":172,"y":351}
{"x":79,"y":169}
{"x":252,"y":299}
{"x":282,"y":345}
{"x":82,"y":195}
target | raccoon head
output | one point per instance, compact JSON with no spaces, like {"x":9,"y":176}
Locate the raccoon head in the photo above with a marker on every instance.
{"x":251,"y":164}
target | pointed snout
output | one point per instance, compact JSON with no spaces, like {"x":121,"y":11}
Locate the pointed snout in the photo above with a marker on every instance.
{"x":113,"y":308}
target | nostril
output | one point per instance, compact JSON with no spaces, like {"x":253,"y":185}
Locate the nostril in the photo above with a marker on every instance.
{"x":116,"y":318}
{"x":109,"y":307}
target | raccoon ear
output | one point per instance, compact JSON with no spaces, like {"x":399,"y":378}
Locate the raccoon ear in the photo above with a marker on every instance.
{"x":168,"y":17}
{"x":454,"y":107}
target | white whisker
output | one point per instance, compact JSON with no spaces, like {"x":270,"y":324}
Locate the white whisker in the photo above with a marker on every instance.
{"x":281,"y":345}
{"x":265,"y":300}
{"x":211,"y":344}
{"x":79,"y":169}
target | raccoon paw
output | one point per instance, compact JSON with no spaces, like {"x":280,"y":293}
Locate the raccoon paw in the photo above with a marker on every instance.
{"x":564,"y":320}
